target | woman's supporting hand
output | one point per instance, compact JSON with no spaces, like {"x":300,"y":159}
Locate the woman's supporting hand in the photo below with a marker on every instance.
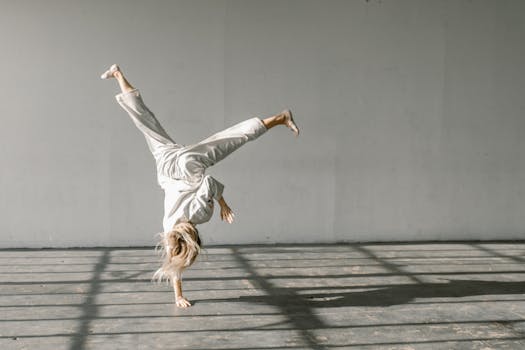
{"x":182,"y":302}
{"x":226,"y":213}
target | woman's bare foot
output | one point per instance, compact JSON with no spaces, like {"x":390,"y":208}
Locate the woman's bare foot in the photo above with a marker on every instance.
{"x":182,"y":302}
{"x":110,"y":73}
{"x":115,"y":72}
{"x":289,"y":122}
{"x":283,"y":118}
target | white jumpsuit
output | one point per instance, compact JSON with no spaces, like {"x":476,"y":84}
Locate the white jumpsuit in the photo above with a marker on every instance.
{"x":189,"y":192}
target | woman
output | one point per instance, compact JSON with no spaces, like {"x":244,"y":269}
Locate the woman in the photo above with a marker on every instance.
{"x":189,"y":192}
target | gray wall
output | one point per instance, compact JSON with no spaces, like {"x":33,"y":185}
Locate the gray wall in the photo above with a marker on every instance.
{"x":412,"y":115}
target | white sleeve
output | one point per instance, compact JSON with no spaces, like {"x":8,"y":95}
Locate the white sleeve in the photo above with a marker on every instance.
{"x":214,"y":187}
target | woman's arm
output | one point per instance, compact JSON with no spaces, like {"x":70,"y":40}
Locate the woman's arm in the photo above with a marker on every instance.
{"x":226,"y":213}
{"x":179,"y":299}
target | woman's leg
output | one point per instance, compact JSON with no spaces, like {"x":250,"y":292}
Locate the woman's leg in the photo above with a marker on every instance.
{"x":158,"y":140}
{"x":124,"y":84}
{"x":218,"y":146}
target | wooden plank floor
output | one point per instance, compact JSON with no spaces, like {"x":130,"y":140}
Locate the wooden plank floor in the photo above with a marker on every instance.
{"x":464,"y":295}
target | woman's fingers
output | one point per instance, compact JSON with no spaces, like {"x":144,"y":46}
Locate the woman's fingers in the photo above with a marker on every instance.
{"x":227,"y":215}
{"x":182,"y":302}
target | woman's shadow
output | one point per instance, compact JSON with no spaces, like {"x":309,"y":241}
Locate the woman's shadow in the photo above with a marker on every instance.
{"x":387,"y":295}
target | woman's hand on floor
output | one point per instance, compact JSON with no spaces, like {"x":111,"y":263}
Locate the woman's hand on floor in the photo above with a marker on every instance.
{"x":182,"y":302}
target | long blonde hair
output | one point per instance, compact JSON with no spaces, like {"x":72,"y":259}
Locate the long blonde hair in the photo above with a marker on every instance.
{"x":179,"y":248}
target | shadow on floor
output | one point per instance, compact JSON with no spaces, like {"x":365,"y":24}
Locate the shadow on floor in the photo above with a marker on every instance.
{"x":297,"y":304}
{"x":89,"y":307}
{"x":387,"y":296}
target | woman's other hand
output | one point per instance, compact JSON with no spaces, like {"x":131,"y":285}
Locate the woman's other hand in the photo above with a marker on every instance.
{"x":226,"y":213}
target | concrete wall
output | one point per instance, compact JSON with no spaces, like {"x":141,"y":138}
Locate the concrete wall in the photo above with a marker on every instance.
{"x":412,"y":114}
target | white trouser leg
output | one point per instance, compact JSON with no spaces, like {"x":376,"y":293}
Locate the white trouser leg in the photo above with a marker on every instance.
{"x":156,"y":137}
{"x":193,"y":159}
{"x":159,"y":142}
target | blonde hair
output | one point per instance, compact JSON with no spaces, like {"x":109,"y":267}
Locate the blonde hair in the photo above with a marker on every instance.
{"x":179,"y":248}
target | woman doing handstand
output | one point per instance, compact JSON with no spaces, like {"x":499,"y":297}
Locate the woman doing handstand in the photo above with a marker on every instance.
{"x":189,"y":192}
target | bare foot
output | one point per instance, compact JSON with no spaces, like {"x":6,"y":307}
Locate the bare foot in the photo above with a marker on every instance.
{"x":289,"y":122}
{"x":182,"y":302}
{"x":110,"y":73}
